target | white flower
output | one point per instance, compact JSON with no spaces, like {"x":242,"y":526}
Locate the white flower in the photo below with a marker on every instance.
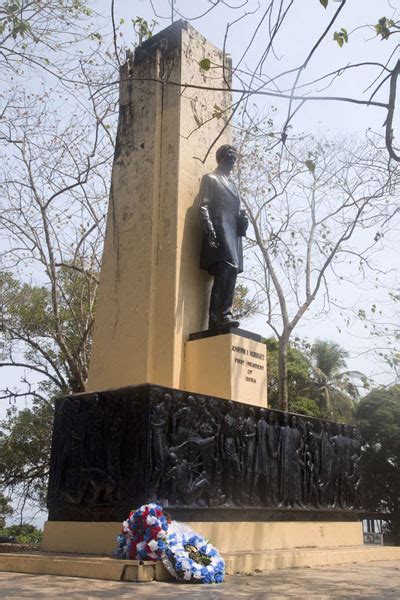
{"x":151,"y":520}
{"x":153,"y":545}
{"x":185,"y":564}
{"x":187,"y":576}
{"x":141,"y":546}
{"x":168,"y":565}
{"x":162,"y":534}
{"x":210,"y":568}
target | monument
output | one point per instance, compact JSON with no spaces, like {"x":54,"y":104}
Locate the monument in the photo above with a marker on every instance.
{"x":176,"y":407}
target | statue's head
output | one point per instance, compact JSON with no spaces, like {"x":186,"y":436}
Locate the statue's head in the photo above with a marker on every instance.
{"x":226,"y":155}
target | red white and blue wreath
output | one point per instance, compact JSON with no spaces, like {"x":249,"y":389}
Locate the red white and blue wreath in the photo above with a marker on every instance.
{"x":143,"y":534}
{"x":148,"y":535}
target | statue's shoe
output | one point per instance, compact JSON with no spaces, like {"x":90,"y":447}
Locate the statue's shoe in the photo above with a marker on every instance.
{"x":227,"y":322}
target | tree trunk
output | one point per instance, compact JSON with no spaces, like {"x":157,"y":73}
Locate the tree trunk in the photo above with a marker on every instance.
{"x":283,"y":383}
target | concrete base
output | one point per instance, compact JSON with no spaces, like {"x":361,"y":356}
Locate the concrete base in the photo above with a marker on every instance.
{"x":75,"y":565}
{"x":238,"y":562}
{"x":241,"y":536}
{"x":96,"y":567}
{"x":252,"y":536}
{"x":231,"y":366}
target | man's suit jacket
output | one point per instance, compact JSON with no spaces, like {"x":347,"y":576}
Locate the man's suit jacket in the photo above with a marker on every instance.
{"x":219,"y":204}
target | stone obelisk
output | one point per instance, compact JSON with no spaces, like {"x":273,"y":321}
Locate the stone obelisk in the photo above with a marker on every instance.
{"x":152,"y":292}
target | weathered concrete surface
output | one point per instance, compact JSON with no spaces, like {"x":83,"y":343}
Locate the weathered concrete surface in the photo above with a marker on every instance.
{"x":378,"y":580}
{"x":238,"y":375}
{"x":152,"y":292}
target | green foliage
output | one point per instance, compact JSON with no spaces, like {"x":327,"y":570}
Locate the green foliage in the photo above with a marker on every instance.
{"x":25,"y":307}
{"x":243,"y":306}
{"x":28,"y":323}
{"x":328,"y":357}
{"x":11,"y":21}
{"x":25,"y":450}
{"x":56,"y":342}
{"x":205,"y":64}
{"x":300,"y":384}
{"x":378,"y":419}
{"x":342,"y":407}
{"x":143,"y":29}
{"x":25,"y":533}
{"x":16,"y":15}
{"x":316,"y":384}
{"x":5,"y":507}
{"x":384,"y":26}
{"x":378,"y":414}
{"x":341,"y":37}
{"x":335,"y":389}
{"x":310,"y":164}
{"x":304,"y":406}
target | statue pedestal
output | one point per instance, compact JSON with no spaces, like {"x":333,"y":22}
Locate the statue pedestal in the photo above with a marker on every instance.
{"x":232,"y":366}
{"x":117,"y":449}
{"x":236,"y":536}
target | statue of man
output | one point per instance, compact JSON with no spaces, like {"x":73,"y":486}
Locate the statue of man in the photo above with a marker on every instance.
{"x":224,"y":225}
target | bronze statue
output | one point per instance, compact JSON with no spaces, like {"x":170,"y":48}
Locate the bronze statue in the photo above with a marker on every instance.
{"x":224,"y":225}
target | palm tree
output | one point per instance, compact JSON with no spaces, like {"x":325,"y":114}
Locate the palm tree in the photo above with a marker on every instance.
{"x":337,"y":392}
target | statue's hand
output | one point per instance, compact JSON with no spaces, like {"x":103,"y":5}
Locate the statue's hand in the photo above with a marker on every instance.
{"x":212,"y":239}
{"x":243,"y":223}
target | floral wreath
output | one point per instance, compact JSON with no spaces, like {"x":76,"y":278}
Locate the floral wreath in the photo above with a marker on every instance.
{"x":143,"y":534}
{"x":148,"y":535}
{"x":190,"y":558}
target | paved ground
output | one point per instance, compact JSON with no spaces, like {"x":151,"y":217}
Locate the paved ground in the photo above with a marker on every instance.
{"x":377,"y":580}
